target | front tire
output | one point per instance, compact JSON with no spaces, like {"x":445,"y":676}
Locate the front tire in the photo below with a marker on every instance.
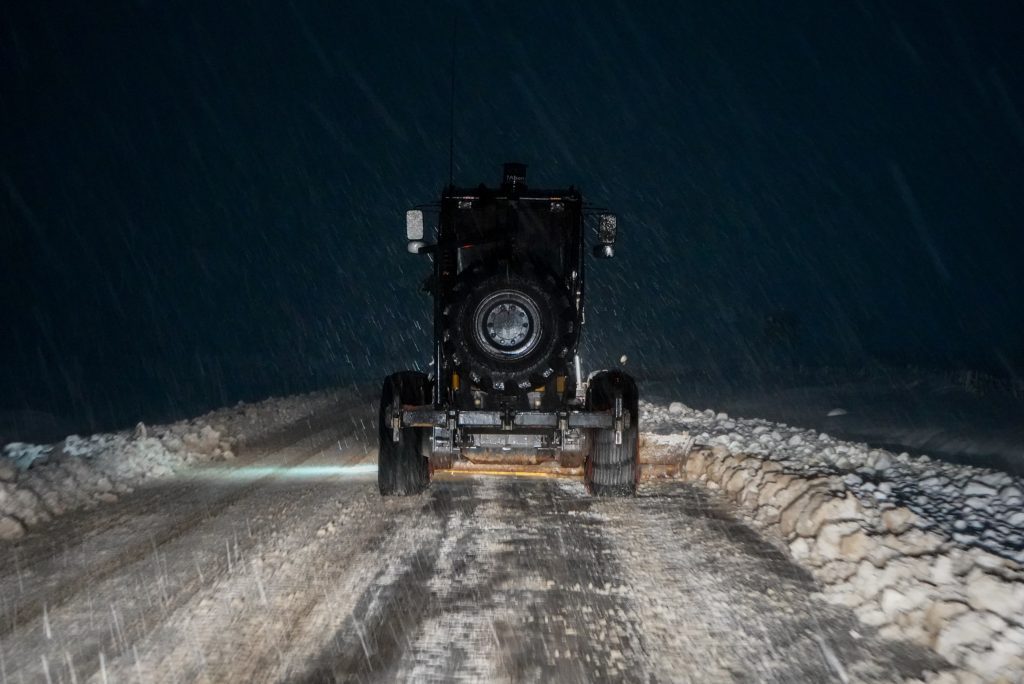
{"x":614,"y":469}
{"x":402,"y":467}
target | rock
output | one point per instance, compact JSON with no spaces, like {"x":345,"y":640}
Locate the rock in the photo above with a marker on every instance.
{"x":829,"y":539}
{"x":800,"y":549}
{"x":963,"y":630}
{"x":677,"y":408}
{"x":870,"y":615}
{"x":995,"y":479}
{"x":978,"y":488}
{"x":855,"y":547}
{"x":987,"y":592}
{"x":882,"y":462}
{"x":793,"y":514}
{"x":738,"y":480}
{"x":852,"y":480}
{"x":865,"y":580}
{"x":209,"y":439}
{"x":914,"y":542}
{"x":830,"y":510}
{"x":8,"y":472}
{"x":11,"y":528}
{"x":938,"y":615}
{"x":896,"y":602}
{"x":941,"y":572}
{"x":1004,"y":656}
{"x":978,"y":503}
{"x":848,"y":599}
{"x":864,"y":470}
{"x":836,"y":573}
{"x":696,"y":463}
{"x":898,"y":520}
{"x":140,"y":431}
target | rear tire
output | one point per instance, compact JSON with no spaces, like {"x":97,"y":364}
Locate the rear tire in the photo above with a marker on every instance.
{"x":402,"y":467}
{"x":614,"y":469}
{"x":546,"y":326}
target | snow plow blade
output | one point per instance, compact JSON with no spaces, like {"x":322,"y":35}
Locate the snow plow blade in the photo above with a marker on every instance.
{"x":661,"y":457}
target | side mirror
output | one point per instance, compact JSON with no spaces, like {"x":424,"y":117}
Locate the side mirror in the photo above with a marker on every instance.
{"x":414,"y":225}
{"x":606,"y":228}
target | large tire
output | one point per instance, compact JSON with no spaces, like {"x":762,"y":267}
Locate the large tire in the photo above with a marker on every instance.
{"x":402,"y":467}
{"x":614,"y":469}
{"x":509,"y":326}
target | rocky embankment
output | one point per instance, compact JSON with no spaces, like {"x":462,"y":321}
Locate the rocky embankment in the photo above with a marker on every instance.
{"x":39,"y":482}
{"x":920,"y":549}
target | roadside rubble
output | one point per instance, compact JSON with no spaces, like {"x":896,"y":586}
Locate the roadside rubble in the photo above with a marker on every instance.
{"x":920,"y":549}
{"x":39,"y":482}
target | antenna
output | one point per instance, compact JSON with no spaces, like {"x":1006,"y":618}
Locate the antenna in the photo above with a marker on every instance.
{"x":451,"y":113}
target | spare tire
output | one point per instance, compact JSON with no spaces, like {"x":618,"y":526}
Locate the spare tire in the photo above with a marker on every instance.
{"x":509,"y":326}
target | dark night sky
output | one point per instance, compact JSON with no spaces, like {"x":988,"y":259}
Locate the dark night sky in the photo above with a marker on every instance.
{"x":202,"y":202}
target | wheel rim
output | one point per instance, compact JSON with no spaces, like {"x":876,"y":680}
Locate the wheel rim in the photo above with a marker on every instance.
{"x":507,"y":325}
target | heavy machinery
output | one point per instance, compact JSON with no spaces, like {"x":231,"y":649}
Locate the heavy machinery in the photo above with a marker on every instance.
{"x":507,"y":394}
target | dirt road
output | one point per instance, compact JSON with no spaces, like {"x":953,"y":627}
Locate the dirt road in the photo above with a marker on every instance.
{"x":286,"y":565}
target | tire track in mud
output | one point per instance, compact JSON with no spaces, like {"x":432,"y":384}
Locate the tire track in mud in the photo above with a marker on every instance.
{"x":23,"y":612}
{"x":367,"y":647}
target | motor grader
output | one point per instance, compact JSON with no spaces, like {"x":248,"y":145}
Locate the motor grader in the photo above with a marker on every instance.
{"x":506,"y":393}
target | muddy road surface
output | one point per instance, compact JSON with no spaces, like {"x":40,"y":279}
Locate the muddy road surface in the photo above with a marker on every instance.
{"x":287,"y":566}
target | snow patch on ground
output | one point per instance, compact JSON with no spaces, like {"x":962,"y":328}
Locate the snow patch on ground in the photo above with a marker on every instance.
{"x":921,"y":549}
{"x":41,"y":481}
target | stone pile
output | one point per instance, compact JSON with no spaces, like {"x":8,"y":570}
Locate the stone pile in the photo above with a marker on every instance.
{"x":921,"y":550}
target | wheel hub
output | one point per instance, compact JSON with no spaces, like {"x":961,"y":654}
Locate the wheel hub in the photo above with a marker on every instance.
{"x":507,"y":324}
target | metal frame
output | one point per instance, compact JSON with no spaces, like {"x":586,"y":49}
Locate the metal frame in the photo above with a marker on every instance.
{"x":428,"y":416}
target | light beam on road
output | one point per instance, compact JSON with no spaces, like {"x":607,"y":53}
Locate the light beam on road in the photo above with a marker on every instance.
{"x":301,"y":472}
